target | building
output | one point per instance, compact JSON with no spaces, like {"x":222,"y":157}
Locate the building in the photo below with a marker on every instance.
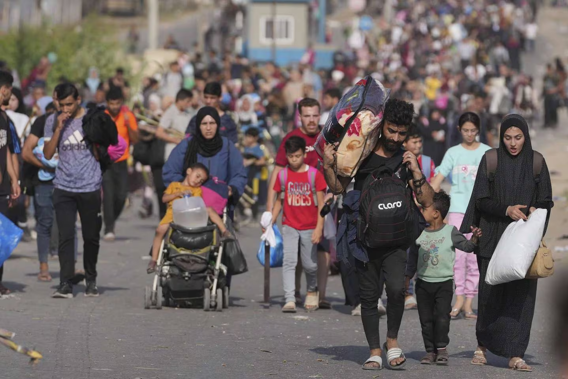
{"x":282,"y":30}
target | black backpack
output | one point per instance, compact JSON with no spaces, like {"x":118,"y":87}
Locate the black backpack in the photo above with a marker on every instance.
{"x":386,"y":211}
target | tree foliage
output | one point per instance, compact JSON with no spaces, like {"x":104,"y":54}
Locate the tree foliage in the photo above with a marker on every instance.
{"x":90,"y":44}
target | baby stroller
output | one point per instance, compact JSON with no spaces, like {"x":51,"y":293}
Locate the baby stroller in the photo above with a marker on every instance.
{"x":189,"y":270}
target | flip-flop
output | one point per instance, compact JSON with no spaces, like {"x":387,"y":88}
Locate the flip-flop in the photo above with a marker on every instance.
{"x":44,"y":276}
{"x":454,"y":315}
{"x":375,"y":359}
{"x":4,"y":290}
{"x":391,"y":355}
{"x":289,"y":307}
{"x":311,"y":304}
{"x":470,"y":316}
{"x":324,"y":304}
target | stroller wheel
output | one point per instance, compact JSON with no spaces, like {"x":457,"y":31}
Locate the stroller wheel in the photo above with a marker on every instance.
{"x":159,"y":298}
{"x":147,"y":297}
{"x":219,"y":303}
{"x":226,"y":297}
{"x":206,"y":299}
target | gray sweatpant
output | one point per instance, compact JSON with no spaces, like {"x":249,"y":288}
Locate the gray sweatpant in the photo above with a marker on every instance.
{"x":298,"y":241}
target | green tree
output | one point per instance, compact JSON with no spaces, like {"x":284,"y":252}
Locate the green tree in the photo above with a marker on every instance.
{"x":90,"y":44}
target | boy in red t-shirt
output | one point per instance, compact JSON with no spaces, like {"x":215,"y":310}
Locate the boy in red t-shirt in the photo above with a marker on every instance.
{"x":300,"y":191}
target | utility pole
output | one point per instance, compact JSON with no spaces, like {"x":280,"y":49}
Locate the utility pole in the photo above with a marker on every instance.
{"x":153,"y":20}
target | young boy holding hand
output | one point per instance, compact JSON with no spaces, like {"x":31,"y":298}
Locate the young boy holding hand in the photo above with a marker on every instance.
{"x":300,"y":190}
{"x":435,"y":285}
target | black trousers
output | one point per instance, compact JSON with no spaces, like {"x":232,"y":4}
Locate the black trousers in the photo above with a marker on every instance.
{"x":88,"y":204}
{"x":391,"y":267}
{"x":115,"y":191}
{"x":434,"y":307}
{"x":160,"y":189}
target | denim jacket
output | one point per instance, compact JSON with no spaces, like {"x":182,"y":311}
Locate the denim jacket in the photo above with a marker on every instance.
{"x":347,"y":243}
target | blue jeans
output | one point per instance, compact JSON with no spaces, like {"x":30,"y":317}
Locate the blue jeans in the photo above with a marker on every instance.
{"x":45,"y":215}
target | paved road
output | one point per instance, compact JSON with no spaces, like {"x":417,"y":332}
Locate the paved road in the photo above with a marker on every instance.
{"x":114,"y":337}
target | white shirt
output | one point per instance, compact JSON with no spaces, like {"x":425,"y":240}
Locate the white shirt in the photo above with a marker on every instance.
{"x":174,"y":119}
{"x":531,"y":30}
{"x":20,"y":122}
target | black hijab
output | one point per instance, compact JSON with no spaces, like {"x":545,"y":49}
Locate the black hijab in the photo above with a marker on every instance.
{"x":513,"y":184}
{"x":199,"y":144}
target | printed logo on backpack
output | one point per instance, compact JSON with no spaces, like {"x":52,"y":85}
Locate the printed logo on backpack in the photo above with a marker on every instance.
{"x":386,"y":212}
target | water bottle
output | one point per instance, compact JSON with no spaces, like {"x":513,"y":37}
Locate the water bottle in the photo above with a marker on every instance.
{"x":190,"y":212}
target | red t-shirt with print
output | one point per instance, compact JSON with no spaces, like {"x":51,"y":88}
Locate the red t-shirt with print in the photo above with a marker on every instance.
{"x":311,"y":157}
{"x":298,"y":208}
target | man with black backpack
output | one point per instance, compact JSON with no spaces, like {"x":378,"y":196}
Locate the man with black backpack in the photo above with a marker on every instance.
{"x":387,"y":223}
{"x":77,"y":183}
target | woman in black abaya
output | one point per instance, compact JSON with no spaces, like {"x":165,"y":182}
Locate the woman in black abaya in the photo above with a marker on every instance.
{"x":506,"y":310}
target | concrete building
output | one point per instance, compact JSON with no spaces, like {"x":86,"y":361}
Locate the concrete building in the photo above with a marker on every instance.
{"x":282,"y":30}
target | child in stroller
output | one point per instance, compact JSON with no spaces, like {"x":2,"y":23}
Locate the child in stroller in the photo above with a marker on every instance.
{"x":196,"y":175}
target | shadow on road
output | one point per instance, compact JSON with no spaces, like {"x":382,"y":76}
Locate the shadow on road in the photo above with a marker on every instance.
{"x":356,"y":354}
{"x":15,"y":287}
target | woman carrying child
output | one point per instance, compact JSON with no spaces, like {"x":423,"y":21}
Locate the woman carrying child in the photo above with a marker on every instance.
{"x":507,"y":193}
{"x":461,"y":162}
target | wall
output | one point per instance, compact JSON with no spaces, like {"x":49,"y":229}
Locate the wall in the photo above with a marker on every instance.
{"x":16,"y":13}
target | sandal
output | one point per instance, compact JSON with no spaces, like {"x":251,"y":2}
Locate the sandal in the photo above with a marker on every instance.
{"x":520,"y":365}
{"x":470,"y":316}
{"x":324,"y":304}
{"x":289,"y":307}
{"x":374,"y":359}
{"x":4,"y":290}
{"x":410,"y":303}
{"x":311,"y":303}
{"x":392,"y":354}
{"x":479,"y":358}
{"x":442,"y":358}
{"x":44,"y":276}
{"x":428,"y":359}
{"x":455,"y":313}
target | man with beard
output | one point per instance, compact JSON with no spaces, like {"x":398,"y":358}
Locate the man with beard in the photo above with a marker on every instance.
{"x":115,"y":179}
{"x":309,"y":110}
{"x":9,"y":186}
{"x":390,"y":263}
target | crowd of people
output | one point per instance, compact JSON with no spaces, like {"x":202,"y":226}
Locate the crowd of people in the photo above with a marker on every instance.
{"x":215,"y":127}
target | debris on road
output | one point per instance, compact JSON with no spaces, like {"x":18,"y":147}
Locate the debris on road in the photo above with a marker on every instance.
{"x":6,"y":340}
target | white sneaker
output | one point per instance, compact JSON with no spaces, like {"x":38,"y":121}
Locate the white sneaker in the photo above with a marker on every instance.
{"x":356,"y":311}
{"x":381,"y":308}
{"x":109,"y":237}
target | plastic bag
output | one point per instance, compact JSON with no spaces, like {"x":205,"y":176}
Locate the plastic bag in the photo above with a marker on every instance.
{"x":516,"y":249}
{"x":276,"y":252}
{"x":329,"y":227}
{"x":233,"y":257}
{"x":10,"y":236}
{"x":354,"y":123}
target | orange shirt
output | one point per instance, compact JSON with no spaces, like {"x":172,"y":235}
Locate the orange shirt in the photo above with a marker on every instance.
{"x":122,"y":129}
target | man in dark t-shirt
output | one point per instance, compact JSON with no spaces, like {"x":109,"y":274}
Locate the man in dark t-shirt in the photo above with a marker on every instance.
{"x":371,"y":264}
{"x":9,"y":186}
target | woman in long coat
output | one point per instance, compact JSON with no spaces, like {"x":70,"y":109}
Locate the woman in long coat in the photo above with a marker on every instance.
{"x":506,"y":310}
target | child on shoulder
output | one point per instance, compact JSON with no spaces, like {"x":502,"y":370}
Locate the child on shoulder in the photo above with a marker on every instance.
{"x":300,"y":190}
{"x":435,"y":268}
{"x":196,"y":175}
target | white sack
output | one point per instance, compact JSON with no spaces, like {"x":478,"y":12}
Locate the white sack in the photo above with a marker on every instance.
{"x":516,"y":249}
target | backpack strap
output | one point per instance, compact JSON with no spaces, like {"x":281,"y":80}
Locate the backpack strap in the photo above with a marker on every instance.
{"x":283,"y":177}
{"x":426,"y":166}
{"x":492,"y":160}
{"x":312,"y":172}
{"x":491,"y":163}
{"x":538,"y":162}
